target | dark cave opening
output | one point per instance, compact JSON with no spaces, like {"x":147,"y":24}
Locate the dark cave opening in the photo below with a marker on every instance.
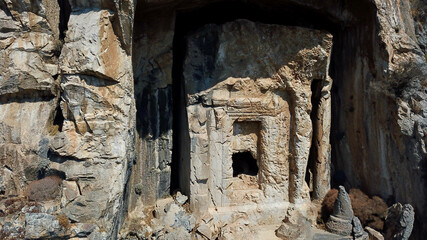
{"x":244,"y":163}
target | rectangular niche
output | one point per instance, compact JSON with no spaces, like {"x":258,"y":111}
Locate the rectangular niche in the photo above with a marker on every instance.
{"x":243,"y":181}
{"x":245,"y":149}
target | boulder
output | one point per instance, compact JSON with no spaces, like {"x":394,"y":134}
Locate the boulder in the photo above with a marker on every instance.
{"x":340,"y":222}
{"x":373,"y":234}
{"x":358,"y":232}
{"x":295,"y":226}
{"x":399,"y":222}
{"x":42,"y":225}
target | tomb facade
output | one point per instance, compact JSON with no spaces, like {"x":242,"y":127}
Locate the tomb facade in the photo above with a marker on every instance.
{"x":247,"y":89}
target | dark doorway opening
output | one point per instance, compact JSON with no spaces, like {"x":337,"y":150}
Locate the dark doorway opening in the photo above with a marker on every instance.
{"x":244,"y":163}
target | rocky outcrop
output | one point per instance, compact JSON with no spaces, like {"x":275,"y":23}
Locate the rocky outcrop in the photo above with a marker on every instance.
{"x":93,"y":116}
{"x":169,"y":219}
{"x":342,"y":221}
{"x":399,"y":222}
{"x":295,"y":226}
{"x":67,"y":113}
{"x":370,"y":211}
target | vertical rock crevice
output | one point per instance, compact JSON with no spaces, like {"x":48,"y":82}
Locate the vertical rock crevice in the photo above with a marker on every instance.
{"x":64,"y":17}
{"x":312,"y":171}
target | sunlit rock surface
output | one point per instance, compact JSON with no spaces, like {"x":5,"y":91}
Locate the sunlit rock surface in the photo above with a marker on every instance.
{"x":107,"y":108}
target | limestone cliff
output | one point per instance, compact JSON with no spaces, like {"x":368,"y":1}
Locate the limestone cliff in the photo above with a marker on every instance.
{"x":107,"y":108}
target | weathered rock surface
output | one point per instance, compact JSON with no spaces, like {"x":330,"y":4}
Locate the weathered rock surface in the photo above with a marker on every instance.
{"x":168,"y":220}
{"x":88,"y":96}
{"x":295,"y":226}
{"x":358,"y":232}
{"x":341,"y":220}
{"x":246,"y":94}
{"x":373,"y":234}
{"x":399,"y":222}
{"x":63,"y":101}
{"x":42,"y":225}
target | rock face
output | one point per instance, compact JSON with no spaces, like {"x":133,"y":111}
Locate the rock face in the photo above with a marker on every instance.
{"x":66,"y":112}
{"x":399,"y":222}
{"x":42,"y":225}
{"x":107,"y":107}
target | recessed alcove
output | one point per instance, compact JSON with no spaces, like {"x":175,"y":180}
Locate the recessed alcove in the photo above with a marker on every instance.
{"x":163,"y":120}
{"x":244,"y":163}
{"x":162,"y":36}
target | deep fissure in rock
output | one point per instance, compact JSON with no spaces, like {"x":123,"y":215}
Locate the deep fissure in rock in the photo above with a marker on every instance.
{"x":64,"y":16}
{"x":244,"y":163}
{"x":311,"y":172}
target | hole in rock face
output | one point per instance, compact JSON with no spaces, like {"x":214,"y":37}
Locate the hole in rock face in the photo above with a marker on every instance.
{"x":244,"y":163}
{"x":59,"y":118}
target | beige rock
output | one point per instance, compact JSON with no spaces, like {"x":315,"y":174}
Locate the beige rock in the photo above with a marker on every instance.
{"x":237,"y":103}
{"x":92,"y":48}
{"x":70,"y":190}
{"x":373,"y":234}
{"x":294,"y":226}
{"x":379,"y":108}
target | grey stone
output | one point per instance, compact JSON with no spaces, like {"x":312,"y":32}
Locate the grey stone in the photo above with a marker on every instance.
{"x":98,"y":235}
{"x":180,"y":199}
{"x":83,"y":209}
{"x":295,"y":226}
{"x":82,"y":229}
{"x":340,"y":222}
{"x":323,"y":235}
{"x":138,"y":188}
{"x":342,"y":205}
{"x":358,"y":232}
{"x":179,"y":233}
{"x":185,"y":220}
{"x":399,"y":222}
{"x":374,"y":234}
{"x":42,"y":225}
